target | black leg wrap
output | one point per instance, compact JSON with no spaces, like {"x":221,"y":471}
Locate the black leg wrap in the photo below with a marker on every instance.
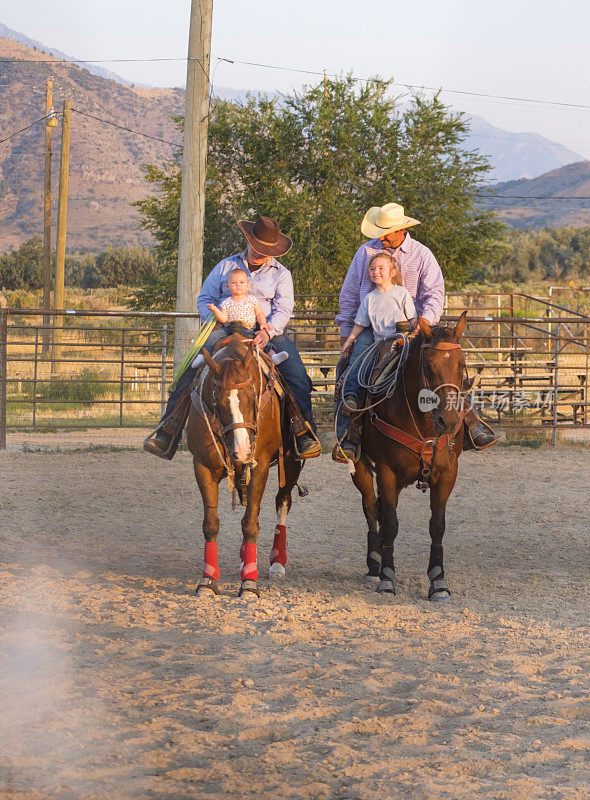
{"x":439,"y":589}
{"x":436,"y":557}
{"x":374,"y":554}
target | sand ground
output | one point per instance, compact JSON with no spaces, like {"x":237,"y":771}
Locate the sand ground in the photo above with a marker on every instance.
{"x":116,"y":682}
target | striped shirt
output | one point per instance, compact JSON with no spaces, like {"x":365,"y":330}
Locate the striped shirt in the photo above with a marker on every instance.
{"x":421,"y":275}
{"x":271,"y":284}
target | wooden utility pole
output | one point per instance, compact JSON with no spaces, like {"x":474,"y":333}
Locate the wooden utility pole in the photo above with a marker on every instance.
{"x":61,"y":225}
{"x":62,"y":211}
{"x":47,"y":216}
{"x":192,"y":199}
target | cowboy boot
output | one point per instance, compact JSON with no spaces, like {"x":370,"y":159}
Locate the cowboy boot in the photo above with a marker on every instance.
{"x":349,"y":448}
{"x":163,"y":442}
{"x":479,"y":434}
{"x":306,"y":443}
{"x":345,"y":451}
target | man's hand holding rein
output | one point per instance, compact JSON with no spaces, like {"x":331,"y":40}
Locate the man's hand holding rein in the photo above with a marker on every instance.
{"x":262,"y":338}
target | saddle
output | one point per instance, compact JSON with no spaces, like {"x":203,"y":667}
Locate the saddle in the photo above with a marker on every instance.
{"x":385,"y":362}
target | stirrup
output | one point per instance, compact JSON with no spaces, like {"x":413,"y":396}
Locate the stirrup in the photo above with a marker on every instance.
{"x":308,"y":432}
{"x":339,"y":455}
{"x":150,"y":447}
{"x":469,"y":444}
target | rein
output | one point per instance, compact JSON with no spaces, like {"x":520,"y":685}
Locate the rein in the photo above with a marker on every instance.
{"x":425,"y":448}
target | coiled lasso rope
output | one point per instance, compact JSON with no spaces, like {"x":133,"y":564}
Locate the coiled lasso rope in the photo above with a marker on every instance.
{"x":385,"y":383}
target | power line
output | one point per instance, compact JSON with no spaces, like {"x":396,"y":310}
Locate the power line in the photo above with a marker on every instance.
{"x":532,"y":197}
{"x":22,"y":130}
{"x":88,"y":61}
{"x":409,"y":85}
{"x":486,"y":196}
{"x":498,"y":96}
{"x":123,"y":128}
{"x":558,"y":103}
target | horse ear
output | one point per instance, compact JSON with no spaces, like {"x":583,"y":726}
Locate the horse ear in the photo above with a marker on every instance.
{"x":248,"y":357}
{"x":424,"y":327}
{"x":213,"y":365}
{"x":460,"y":326}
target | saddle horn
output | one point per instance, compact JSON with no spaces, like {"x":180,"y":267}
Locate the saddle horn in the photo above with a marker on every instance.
{"x":424,"y":327}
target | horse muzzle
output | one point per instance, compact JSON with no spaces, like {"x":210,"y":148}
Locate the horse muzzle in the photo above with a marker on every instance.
{"x":243,"y":439}
{"x":447,"y":421}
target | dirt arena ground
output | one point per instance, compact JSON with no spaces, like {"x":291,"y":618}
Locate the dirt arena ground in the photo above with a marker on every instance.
{"x":115,"y":682}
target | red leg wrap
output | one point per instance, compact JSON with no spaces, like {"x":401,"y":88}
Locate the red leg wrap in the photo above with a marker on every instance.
{"x":210,"y":567}
{"x":248,"y":558}
{"x":279,"y":546}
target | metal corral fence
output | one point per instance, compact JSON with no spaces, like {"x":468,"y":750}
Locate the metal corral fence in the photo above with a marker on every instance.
{"x":102,"y":380}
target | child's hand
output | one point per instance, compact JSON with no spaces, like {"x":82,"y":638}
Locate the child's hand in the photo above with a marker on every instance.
{"x":346,"y":348}
{"x":264,"y":326}
{"x":212,"y":307}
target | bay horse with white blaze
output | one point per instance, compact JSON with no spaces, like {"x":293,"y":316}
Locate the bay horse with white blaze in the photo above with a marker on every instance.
{"x":234,"y":430}
{"x":403,"y":444}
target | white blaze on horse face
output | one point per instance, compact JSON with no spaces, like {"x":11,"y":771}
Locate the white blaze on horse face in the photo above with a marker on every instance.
{"x":241,"y":438}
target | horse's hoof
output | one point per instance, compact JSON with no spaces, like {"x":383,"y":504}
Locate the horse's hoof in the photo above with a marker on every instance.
{"x":207,"y":588}
{"x":276,"y":572}
{"x":386,"y":587}
{"x":440,"y":596}
{"x":249,"y":590}
{"x":371,"y":582}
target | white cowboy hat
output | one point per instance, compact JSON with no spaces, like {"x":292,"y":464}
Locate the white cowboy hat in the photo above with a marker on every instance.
{"x":387,"y":219}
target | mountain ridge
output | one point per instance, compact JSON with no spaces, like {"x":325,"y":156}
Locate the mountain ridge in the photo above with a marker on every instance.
{"x":106,"y":162}
{"x":531,"y":206}
{"x":16,"y":36}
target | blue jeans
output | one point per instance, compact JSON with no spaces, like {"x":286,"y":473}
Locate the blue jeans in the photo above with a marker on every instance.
{"x":292,"y":371}
{"x":351,"y":383}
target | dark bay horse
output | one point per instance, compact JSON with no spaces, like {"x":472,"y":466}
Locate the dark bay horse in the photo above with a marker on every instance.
{"x":406,"y":444}
{"x":234,"y":431}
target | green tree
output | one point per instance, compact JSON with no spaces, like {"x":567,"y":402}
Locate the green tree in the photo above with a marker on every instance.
{"x":554,"y":254}
{"x":23,"y":268}
{"x":316,"y":161}
{"x":123,"y":266}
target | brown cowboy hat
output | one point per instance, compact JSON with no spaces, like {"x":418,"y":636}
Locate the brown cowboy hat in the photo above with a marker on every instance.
{"x":265,"y":237}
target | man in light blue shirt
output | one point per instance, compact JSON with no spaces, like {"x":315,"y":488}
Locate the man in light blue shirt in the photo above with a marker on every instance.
{"x":272,"y":285}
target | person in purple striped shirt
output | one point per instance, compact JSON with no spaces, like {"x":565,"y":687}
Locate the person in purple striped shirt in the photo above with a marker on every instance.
{"x":386,"y":228}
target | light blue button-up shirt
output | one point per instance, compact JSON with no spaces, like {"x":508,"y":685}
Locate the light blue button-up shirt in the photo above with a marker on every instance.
{"x":271,"y":284}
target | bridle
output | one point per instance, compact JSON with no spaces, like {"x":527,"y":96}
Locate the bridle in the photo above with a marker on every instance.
{"x":445,"y":346}
{"x":218,"y":436}
{"x":424,"y":447}
{"x":252,"y":426}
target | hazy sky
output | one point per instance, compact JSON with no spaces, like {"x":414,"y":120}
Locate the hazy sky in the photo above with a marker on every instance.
{"x":519,"y":48}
